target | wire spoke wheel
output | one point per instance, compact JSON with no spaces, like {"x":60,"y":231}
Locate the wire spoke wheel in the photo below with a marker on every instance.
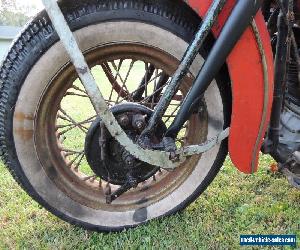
{"x":125,"y":73}
{"x":57,"y":148}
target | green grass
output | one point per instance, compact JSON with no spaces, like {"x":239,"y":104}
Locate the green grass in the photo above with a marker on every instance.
{"x":234,"y":204}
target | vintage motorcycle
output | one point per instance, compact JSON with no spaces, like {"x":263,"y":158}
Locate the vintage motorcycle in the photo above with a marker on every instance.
{"x":116,"y":112}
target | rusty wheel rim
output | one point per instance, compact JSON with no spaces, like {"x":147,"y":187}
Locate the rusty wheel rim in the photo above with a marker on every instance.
{"x":65,"y":164}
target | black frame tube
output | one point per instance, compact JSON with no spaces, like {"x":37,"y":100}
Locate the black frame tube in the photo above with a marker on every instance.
{"x":238,"y":21}
{"x":184,"y":66}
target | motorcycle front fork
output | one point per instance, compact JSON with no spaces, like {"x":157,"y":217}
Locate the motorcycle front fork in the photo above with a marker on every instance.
{"x":237,"y":22}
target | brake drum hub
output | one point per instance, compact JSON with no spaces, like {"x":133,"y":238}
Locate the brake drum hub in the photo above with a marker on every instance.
{"x":108,"y":159}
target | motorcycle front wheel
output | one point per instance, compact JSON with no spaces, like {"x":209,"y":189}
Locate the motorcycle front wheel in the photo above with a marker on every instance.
{"x":132,"y":48}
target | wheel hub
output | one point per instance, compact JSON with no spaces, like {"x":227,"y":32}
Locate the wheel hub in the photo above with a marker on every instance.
{"x":108,"y":159}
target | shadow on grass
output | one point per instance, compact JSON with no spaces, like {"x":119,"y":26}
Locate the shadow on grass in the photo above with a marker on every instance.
{"x":234,"y":204}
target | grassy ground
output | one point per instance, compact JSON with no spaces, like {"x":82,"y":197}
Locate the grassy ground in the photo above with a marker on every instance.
{"x":234,"y":204}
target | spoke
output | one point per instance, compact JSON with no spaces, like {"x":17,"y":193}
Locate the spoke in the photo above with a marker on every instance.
{"x":79,"y":89}
{"x":128,"y":72}
{"x":146,"y":83}
{"x":138,"y":95}
{"x":116,"y":76}
{"x":66,"y":130}
{"x":162,"y":82}
{"x":63,"y":118}
{"x":70,"y":152}
{"x":157,"y":76}
{"x":172,"y":114}
{"x":118,"y":69}
{"x":67,"y":150}
{"x":68,"y":116}
{"x":121,"y":79}
{"x":76,"y":94}
{"x":78,"y":156}
{"x":73,"y":124}
{"x":154,"y":88}
{"x":129,"y":95}
{"x":169,"y":116}
{"x":125,"y":80}
{"x":77,"y":165}
{"x":110,"y":102}
{"x":89,"y":120}
{"x":147,"y":98}
{"x":113,"y":79}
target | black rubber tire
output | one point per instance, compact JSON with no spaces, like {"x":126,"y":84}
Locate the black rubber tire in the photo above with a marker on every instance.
{"x":39,"y":36}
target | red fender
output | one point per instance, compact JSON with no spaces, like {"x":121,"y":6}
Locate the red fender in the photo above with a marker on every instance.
{"x":250,"y":67}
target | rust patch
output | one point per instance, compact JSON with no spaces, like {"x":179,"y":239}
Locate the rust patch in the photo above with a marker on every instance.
{"x":21,"y":116}
{"x":24,"y":134}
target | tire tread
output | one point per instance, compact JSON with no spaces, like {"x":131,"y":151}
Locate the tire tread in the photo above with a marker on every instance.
{"x":37,"y":37}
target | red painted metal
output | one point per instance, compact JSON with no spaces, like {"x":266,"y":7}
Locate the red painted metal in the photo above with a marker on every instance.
{"x":252,"y":86}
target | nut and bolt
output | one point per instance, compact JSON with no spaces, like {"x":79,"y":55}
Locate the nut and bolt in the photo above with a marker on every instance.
{"x":139,"y":125}
{"x":124,"y":120}
{"x":132,"y":181}
{"x":139,"y":121}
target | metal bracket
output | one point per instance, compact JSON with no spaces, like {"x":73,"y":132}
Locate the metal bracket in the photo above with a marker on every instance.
{"x":157,"y":158}
{"x":201,"y":148}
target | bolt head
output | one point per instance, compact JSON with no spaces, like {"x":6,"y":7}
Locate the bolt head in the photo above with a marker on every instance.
{"x":124,"y":121}
{"x":139,"y":124}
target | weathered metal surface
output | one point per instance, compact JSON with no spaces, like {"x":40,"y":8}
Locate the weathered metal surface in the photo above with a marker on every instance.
{"x":157,"y":158}
{"x":248,"y":77}
{"x":186,"y":62}
{"x":239,"y":20}
{"x":266,"y":96}
{"x":199,"y":149}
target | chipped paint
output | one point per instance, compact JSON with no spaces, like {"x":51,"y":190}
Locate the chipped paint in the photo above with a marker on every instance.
{"x":187,"y":60}
{"x":157,"y":158}
{"x":264,"y":118}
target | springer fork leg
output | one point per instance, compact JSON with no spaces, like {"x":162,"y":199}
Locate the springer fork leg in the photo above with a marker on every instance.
{"x":185,"y":64}
{"x":238,"y":21}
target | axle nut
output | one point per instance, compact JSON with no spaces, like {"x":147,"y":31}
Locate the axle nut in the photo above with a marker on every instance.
{"x":124,"y":121}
